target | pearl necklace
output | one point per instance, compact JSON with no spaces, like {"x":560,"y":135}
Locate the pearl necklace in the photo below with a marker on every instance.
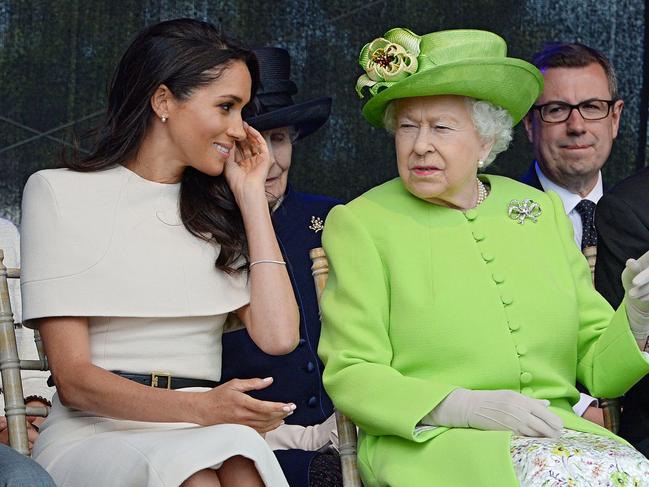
{"x":482,"y":192}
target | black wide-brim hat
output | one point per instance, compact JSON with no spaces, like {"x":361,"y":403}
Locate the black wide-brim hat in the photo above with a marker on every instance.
{"x":273,"y":106}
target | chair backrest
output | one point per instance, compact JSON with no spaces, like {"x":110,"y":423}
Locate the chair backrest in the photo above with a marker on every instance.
{"x":347,"y":437}
{"x":10,"y":366}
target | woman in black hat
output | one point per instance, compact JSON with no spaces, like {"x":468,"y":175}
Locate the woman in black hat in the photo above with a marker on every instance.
{"x":297,"y":219}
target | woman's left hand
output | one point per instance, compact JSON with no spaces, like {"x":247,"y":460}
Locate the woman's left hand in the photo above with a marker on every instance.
{"x":635,"y":279}
{"x":246,"y":170}
{"x":32,"y":433}
{"x":309,"y":438}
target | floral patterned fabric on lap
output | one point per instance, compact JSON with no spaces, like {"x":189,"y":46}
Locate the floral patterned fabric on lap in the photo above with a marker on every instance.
{"x":577,"y":459}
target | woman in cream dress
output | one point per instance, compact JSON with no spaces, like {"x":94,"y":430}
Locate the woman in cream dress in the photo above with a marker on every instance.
{"x":133,"y":256}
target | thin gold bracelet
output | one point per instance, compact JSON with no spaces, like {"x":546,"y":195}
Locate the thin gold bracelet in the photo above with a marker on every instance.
{"x":266,"y":261}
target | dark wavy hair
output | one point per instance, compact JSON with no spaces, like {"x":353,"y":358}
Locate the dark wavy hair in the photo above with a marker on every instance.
{"x":182,"y":54}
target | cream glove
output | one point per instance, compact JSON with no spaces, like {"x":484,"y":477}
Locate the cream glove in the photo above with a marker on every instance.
{"x":310,"y":438}
{"x":500,"y":410}
{"x":635,"y":279}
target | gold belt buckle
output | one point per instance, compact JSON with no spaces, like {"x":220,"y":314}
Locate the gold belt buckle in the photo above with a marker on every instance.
{"x":154,"y":378}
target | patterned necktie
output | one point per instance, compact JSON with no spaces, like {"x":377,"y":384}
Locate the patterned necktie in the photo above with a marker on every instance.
{"x":586,"y":210}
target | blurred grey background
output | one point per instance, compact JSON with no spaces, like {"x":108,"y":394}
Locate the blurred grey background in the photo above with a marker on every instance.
{"x":56,"y":57}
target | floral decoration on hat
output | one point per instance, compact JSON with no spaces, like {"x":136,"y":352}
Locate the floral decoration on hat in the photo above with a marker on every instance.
{"x":388,"y":59}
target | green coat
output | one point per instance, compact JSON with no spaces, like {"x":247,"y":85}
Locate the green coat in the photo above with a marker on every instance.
{"x":423,"y":299}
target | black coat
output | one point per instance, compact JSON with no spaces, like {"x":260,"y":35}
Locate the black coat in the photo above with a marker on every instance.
{"x":297,"y":375}
{"x":622,"y":222}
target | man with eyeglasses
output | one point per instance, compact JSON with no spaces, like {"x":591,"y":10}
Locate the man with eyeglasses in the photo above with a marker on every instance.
{"x":572,"y":127}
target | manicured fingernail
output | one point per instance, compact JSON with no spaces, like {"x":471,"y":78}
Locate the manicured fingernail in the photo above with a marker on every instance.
{"x":268,"y":379}
{"x":286,"y":409}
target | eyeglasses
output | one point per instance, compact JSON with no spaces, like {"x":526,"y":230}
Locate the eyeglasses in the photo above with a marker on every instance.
{"x":558,"y":111}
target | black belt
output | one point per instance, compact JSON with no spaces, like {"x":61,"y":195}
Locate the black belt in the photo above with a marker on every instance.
{"x":163,"y":380}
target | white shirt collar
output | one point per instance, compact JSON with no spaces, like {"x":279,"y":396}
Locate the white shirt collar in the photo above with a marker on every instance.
{"x":569,"y":199}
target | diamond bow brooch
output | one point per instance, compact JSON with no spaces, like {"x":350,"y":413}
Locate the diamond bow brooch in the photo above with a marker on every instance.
{"x":520,"y":210}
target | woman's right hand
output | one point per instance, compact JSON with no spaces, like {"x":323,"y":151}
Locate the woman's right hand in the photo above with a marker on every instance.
{"x":247,"y":168}
{"x":229,"y":404}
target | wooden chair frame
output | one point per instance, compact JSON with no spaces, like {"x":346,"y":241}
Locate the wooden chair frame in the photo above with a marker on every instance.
{"x":11,"y":365}
{"x":612,"y":410}
{"x":347,"y":437}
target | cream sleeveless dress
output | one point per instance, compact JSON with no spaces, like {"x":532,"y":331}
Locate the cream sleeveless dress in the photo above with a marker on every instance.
{"x":110,"y":245}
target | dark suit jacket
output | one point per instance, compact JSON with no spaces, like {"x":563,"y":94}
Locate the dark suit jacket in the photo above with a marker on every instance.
{"x":622,"y":222}
{"x":531,"y":178}
{"x":297,"y":375}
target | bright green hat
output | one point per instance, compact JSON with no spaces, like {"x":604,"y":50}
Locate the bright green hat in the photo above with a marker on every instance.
{"x":472,"y":63}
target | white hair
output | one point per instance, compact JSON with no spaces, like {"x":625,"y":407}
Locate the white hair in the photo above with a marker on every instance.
{"x":493,"y":124}
{"x":390,"y":117}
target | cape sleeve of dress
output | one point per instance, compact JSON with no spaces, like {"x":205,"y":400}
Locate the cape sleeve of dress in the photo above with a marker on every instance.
{"x":112,"y":244}
{"x":609,"y":361}
{"x":355,"y":343}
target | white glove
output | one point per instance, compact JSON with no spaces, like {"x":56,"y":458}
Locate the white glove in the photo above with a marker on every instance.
{"x":635,"y":279}
{"x":496,"y":410}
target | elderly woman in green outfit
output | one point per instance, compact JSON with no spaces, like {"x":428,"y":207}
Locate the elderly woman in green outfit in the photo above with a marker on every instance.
{"x":459,"y":313}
